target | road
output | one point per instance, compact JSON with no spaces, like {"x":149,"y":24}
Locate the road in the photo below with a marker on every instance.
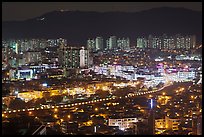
{"x":84,"y":103}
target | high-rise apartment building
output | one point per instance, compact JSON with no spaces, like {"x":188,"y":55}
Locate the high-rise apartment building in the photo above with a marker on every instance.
{"x":150,"y":41}
{"x":91,"y":44}
{"x":123,"y":43}
{"x":192,"y":41}
{"x":180,"y":41}
{"x":84,"y":58}
{"x":111,"y":43}
{"x":33,"y":57}
{"x":156,"y":43}
{"x":74,"y":58}
{"x":141,"y":43}
{"x":168,"y":42}
{"x":99,"y":43}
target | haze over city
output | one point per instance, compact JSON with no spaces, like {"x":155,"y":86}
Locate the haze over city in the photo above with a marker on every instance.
{"x":102,"y":68}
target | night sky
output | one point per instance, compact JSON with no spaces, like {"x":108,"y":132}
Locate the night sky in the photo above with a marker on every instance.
{"x":26,"y":10}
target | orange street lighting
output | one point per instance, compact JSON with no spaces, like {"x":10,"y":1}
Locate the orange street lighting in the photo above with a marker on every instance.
{"x":96,"y":109}
{"x":55,"y":109}
{"x":55,"y":116}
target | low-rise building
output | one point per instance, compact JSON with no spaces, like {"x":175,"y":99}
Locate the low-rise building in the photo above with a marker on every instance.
{"x":167,"y":124}
{"x":123,"y":123}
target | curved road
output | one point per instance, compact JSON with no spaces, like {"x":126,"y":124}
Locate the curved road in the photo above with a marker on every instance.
{"x":83,"y":103}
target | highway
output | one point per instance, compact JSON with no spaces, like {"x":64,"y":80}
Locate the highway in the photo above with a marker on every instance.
{"x":85,"y":102}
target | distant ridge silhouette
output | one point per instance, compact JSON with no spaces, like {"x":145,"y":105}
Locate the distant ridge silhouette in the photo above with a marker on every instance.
{"x":78,"y":26}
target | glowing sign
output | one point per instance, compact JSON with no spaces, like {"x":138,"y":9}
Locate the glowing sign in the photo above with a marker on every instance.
{"x":94,"y":129}
{"x":151,"y":103}
{"x":44,"y":84}
{"x":28,"y":74}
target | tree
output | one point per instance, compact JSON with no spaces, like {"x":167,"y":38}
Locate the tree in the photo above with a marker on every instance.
{"x":150,"y":88}
{"x":98,"y":120}
{"x":46,"y":95}
{"x":30,"y":103}
{"x":101,"y":93}
{"x":57,"y":98}
{"x":122,"y":91}
{"x":17,"y":104}
{"x":40,"y":101}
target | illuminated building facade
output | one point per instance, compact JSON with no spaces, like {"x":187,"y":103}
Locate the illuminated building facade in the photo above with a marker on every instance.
{"x":33,"y":57}
{"x":27,"y":74}
{"x":74,"y":58}
{"x":166,"y":124}
{"x":141,"y":43}
{"x":151,"y":118}
{"x":123,"y":123}
{"x":156,"y":43}
{"x":167,"y":42}
{"x":123,"y":43}
{"x":84,"y":58}
{"x":91,"y":44}
{"x":99,"y":43}
{"x":111,"y":43}
{"x":70,"y":57}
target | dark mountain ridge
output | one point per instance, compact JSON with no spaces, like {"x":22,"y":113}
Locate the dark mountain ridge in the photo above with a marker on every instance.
{"x":78,"y":26}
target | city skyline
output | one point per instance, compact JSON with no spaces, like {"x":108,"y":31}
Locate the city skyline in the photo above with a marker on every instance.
{"x":84,"y":72}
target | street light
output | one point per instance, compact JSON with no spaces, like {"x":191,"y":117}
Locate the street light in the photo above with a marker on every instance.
{"x":96,"y":109}
{"x":55,"y":109}
{"x":55,"y":116}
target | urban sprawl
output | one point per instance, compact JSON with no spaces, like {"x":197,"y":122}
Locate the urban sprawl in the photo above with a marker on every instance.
{"x":106,"y":86}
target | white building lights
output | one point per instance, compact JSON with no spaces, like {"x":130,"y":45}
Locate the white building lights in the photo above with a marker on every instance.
{"x":151,"y":80}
